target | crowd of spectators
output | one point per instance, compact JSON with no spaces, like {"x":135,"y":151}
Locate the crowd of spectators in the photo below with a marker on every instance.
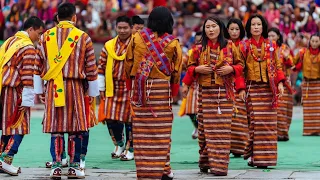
{"x":296,"y":19}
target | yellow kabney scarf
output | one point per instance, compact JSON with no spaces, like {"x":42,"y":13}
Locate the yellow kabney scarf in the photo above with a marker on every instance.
{"x":57,"y":58}
{"x":110,"y":47}
{"x":5,"y":56}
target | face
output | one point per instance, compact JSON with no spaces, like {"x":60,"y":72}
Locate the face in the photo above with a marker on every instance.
{"x":35,"y":34}
{"x":123,"y":30}
{"x":273,"y":36}
{"x":137,"y":27}
{"x":212,"y":30}
{"x":256,"y":26}
{"x":315,"y":42}
{"x":234,"y":31}
{"x":271,"y":5}
{"x":197,"y":39}
{"x":286,"y":19}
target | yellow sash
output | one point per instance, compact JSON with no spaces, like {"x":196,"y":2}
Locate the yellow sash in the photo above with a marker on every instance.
{"x":5,"y":56}
{"x":110,"y":47}
{"x":57,"y":58}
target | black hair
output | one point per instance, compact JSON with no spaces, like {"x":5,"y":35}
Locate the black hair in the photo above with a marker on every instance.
{"x":264,"y":26}
{"x":66,"y":11}
{"x":125,"y":19}
{"x":239,"y":23}
{"x":315,"y":34}
{"x":160,"y":20}
{"x":34,"y":22}
{"x":137,"y":20}
{"x":221,"y":39}
{"x":55,"y":18}
{"x":199,"y":33}
{"x":293,"y":31}
{"x":276,"y":30}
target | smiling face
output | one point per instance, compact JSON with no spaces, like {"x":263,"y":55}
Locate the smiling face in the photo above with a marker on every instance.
{"x":234,"y":31}
{"x":212,"y":30}
{"x":124,"y":30}
{"x":35,"y":34}
{"x":256,"y":26}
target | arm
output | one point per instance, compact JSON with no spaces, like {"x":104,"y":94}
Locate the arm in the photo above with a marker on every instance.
{"x":102,"y":64}
{"x":296,"y":60}
{"x":175,"y":76}
{"x":91,"y":67}
{"x":280,"y":75}
{"x":191,"y":65}
{"x":238,"y":66}
{"x":128,"y":63}
{"x":26,"y":71}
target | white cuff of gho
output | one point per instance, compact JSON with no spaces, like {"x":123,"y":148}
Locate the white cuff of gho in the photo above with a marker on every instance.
{"x":93,"y":88}
{"x":102,"y":82}
{"x":27,"y":97}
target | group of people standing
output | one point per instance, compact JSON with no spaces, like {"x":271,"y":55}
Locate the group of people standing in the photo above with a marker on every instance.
{"x":244,"y":93}
{"x":240,"y":86}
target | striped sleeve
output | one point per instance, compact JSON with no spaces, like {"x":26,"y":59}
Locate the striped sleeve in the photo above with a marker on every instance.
{"x":90,"y":62}
{"x":102,"y":61}
{"x":27,"y":68}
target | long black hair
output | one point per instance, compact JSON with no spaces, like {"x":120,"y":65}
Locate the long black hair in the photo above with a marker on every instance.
{"x":221,"y":40}
{"x":239,"y":23}
{"x":276,"y":30}
{"x":264,"y":26}
{"x":160,"y":20}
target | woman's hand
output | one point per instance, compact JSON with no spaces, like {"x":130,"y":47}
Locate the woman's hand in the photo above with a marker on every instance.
{"x":203,"y":69}
{"x":185,"y":90}
{"x":242,"y":95}
{"x":281,"y":89}
{"x":224,"y":70}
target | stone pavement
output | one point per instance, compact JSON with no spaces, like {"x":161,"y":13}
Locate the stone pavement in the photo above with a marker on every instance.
{"x":97,"y":174}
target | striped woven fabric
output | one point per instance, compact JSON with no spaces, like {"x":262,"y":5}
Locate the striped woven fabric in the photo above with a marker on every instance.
{"x":239,"y":128}
{"x":118,"y":107}
{"x":71,"y":117}
{"x":152,"y":126}
{"x":311,"y":107}
{"x":284,"y":115}
{"x":262,"y":143}
{"x":9,"y":98}
{"x":217,"y":127}
{"x":191,"y":106}
{"x":203,"y":154}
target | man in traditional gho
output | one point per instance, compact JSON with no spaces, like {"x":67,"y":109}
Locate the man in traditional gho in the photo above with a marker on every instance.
{"x":115,"y":104}
{"x":69,"y":67}
{"x":17,"y":60}
{"x":137,"y":24}
{"x":154,"y":60}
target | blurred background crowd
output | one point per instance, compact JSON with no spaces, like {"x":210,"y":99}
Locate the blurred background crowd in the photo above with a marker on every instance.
{"x":296,"y":19}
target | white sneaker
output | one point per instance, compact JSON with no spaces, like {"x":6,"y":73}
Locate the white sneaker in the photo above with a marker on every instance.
{"x":117,"y":151}
{"x":56,"y":173}
{"x":195,"y":134}
{"x":250,"y":162}
{"x":127,"y":156}
{"x":82,"y":164}
{"x":8,"y":168}
{"x":76,"y":173}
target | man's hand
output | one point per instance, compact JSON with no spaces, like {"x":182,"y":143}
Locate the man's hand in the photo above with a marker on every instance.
{"x":21,"y":108}
{"x":203,"y":69}
{"x":225,"y":70}
{"x":102,"y":95}
{"x":42,"y":98}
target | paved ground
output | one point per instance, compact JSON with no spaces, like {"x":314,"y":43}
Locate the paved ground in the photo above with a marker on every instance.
{"x":97,"y":174}
{"x":298,"y":158}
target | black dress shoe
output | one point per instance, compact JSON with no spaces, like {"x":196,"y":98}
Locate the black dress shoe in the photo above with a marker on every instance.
{"x":262,"y":167}
{"x":166,"y":177}
{"x":204,"y":170}
{"x":236,"y":155}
